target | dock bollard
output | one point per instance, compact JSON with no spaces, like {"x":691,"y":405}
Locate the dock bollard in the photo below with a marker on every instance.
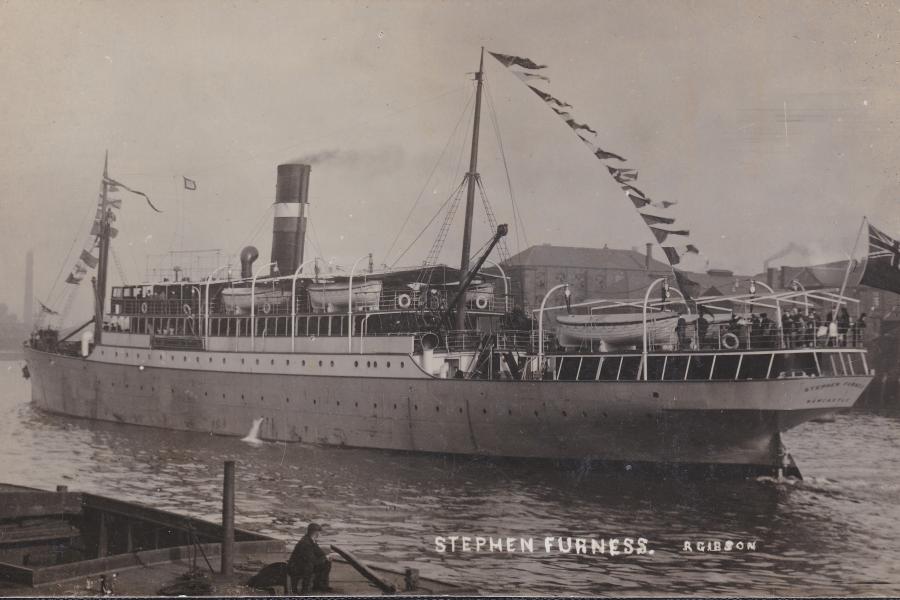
{"x":228,"y":520}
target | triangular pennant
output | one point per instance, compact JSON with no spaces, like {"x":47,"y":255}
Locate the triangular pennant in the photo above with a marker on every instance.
{"x":509,"y":60}
{"x":655,"y":220}
{"x":662,"y":234}
{"x":89,"y":259}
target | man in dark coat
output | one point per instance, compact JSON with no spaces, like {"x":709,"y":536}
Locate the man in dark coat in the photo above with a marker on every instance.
{"x":308,"y":565}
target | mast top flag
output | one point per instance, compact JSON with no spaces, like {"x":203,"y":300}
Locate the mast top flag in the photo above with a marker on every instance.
{"x":882,"y":264}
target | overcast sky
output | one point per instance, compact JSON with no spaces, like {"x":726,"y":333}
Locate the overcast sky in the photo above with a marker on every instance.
{"x":768,"y":122}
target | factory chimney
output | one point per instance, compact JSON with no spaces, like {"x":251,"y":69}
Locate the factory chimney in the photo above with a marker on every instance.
{"x":289,"y":225}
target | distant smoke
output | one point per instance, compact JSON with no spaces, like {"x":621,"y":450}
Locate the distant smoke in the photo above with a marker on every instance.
{"x":792,"y":247}
{"x":385,"y":157}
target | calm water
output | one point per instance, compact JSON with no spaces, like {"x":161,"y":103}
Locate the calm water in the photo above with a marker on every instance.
{"x":833,"y":534}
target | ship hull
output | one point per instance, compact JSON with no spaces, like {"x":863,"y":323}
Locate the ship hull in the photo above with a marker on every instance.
{"x":705,"y":422}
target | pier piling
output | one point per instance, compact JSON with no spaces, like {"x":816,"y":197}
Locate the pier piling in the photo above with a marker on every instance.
{"x":228,"y":520}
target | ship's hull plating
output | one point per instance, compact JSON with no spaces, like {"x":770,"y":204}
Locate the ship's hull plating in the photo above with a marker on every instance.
{"x":705,"y":422}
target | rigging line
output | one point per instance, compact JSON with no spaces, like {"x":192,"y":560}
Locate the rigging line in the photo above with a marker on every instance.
{"x":424,"y":229}
{"x":430,"y":175}
{"x":62,"y":266}
{"x":516,"y":213}
{"x":258,"y":225}
{"x":262,"y":156}
{"x":314,"y":239}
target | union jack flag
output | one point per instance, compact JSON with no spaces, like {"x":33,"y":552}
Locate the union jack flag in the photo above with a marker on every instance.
{"x":882,"y":269}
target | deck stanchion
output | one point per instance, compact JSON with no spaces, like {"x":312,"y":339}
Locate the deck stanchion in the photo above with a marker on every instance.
{"x":644,"y":319}
{"x":294,"y":300}
{"x":540,"y":365}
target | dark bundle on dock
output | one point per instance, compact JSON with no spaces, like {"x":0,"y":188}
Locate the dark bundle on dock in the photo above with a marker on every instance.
{"x":192,"y":583}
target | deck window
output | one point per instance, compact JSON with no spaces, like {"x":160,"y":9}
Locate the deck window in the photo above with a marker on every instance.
{"x":568,"y":369}
{"x":726,"y":366}
{"x":655,"y":365}
{"x":754,"y":366}
{"x":855,"y":363}
{"x":631,"y":366}
{"x":589,"y":366}
{"x":794,"y":365}
{"x":700,"y":366}
{"x":609,"y":370}
{"x":676,"y":367}
{"x":827,"y":364}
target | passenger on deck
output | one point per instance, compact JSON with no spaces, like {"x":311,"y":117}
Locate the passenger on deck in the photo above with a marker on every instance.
{"x":308,"y":565}
{"x":843,"y":324}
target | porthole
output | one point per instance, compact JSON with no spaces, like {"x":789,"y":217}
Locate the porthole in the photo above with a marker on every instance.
{"x":198,"y":359}
{"x":402,"y":364}
{"x":126,"y":355}
{"x":117,"y":353}
{"x":303,"y":363}
{"x":388,"y":364}
{"x":375,"y":364}
{"x":374,"y":405}
{"x":565,"y":414}
{"x":223,"y":360}
{"x":262,"y":397}
{"x":356,"y":404}
{"x":287,"y":361}
{"x":332,"y":363}
{"x":437,"y":409}
{"x":206,"y":393}
{"x":210,"y":359}
{"x":257,"y":361}
{"x":416,"y":406}
{"x":315,"y":401}
{"x":338,"y":402}
{"x":320,"y":363}
{"x":484,"y":411}
{"x":242,"y":360}
{"x":272,"y":362}
{"x":584,"y":414}
{"x":184,"y":358}
{"x":535,"y":413}
{"x":223,"y":396}
{"x":509,"y":411}
{"x":395,"y":407}
{"x":355,"y":363}
{"x":368,"y":363}
{"x":172,"y":357}
{"x":287,"y":399}
{"x":242,"y":396}
{"x":460,"y":410}
{"x":161,"y":357}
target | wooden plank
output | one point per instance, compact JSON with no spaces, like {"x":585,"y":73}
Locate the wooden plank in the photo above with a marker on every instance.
{"x":16,"y":574}
{"x":17,"y":505}
{"x":365,"y":571}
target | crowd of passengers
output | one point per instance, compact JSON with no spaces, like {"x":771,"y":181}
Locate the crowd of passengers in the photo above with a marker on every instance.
{"x":799,"y":330}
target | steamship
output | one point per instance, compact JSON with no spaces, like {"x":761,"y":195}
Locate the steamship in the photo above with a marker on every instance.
{"x":428,"y":359}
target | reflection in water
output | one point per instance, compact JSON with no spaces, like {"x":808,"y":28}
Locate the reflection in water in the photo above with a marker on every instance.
{"x":830,"y":534}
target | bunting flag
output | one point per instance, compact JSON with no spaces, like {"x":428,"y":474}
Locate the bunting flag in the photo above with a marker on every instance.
{"x":189,"y":184}
{"x":47,"y":309}
{"x":89,"y":259}
{"x":508,"y":60}
{"x":674,"y":253}
{"x":80,"y":268}
{"x":525,"y":69}
{"x":114,"y":183}
{"x":882,"y":267}
{"x":662,"y":234}
{"x":655,"y":220}
{"x":73,"y":279}
{"x":623,"y":176}
{"x":550,"y":99}
{"x":689,"y":288}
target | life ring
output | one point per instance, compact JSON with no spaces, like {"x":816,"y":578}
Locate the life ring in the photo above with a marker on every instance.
{"x":266,"y":308}
{"x":186,"y":309}
{"x":481,"y":302}
{"x":730,"y":341}
{"x":404,"y":301}
{"x":144,"y":307}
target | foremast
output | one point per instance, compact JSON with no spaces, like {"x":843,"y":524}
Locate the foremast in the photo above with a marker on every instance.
{"x":102,"y":267}
{"x":472,"y":177}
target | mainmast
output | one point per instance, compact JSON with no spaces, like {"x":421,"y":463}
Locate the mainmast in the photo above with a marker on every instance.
{"x":100,"y":286}
{"x":472,"y":177}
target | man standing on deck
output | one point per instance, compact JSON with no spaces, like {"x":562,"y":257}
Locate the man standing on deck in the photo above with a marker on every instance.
{"x":309,"y":565}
